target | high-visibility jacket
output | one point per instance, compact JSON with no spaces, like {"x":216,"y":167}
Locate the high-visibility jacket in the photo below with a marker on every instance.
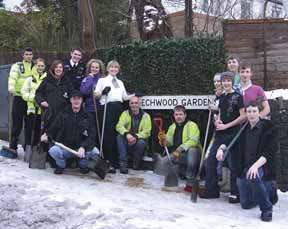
{"x":19,"y":72}
{"x":190,"y":135}
{"x":29,"y":88}
{"x":124,"y":125}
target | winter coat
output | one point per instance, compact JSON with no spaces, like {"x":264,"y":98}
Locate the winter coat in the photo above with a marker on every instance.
{"x":29,"y":88}
{"x":190,"y":136}
{"x":73,"y":129}
{"x":267,"y":147}
{"x":87,"y":87}
{"x":124,"y":125}
{"x":75,"y":74}
{"x":56,"y":93}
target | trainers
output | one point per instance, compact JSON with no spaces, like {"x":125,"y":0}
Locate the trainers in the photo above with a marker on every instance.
{"x":233,"y":199}
{"x":188,"y":188}
{"x":58,"y":171}
{"x":208,"y":195}
{"x":84,"y":170}
{"x":266,"y":216}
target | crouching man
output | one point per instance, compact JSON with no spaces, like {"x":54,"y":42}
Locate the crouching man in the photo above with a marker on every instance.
{"x":133,"y":127}
{"x":255,"y":167}
{"x":73,"y":128}
{"x":183,"y":137}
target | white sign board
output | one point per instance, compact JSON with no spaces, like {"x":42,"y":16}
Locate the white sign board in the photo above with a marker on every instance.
{"x":168,"y":102}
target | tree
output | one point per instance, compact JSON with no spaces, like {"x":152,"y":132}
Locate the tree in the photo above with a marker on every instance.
{"x":188,"y":18}
{"x":2,"y":4}
{"x":152,"y":20}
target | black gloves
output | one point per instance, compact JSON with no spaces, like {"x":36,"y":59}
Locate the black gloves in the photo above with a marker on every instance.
{"x":106,"y":90}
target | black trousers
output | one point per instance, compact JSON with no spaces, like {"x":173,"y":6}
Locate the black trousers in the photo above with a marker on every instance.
{"x":114,"y":110}
{"x":92,"y":118}
{"x":33,"y":128}
{"x":19,"y":113}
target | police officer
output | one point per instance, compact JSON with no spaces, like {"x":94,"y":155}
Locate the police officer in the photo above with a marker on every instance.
{"x":19,"y":72}
{"x":74,"y":68}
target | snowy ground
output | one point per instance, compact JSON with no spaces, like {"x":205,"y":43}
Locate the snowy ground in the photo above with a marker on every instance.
{"x":39,"y":199}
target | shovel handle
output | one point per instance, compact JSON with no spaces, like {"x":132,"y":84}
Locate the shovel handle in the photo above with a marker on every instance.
{"x":159,"y":123}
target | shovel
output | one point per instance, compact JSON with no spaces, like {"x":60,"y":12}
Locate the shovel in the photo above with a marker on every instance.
{"x":100,"y":166}
{"x":171,"y":177}
{"x":39,"y":153}
{"x":195,"y":181}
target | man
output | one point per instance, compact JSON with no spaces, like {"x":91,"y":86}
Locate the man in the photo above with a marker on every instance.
{"x":73,"y":129}
{"x":183,"y":139}
{"x":134,"y":127}
{"x":75,"y":68}
{"x":255,"y":163}
{"x":252,"y":92}
{"x":231,"y":114}
{"x":19,"y":72}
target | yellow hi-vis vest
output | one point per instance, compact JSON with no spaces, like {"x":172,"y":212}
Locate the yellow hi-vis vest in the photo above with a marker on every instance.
{"x":29,"y":88}
{"x":19,"y":72}
{"x":124,"y":125}
{"x":190,"y":136}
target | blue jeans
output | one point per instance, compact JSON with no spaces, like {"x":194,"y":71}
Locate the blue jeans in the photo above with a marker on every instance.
{"x":211,"y":180}
{"x":255,"y":191}
{"x":61,"y":155}
{"x":124,"y":148}
{"x":191,"y":158}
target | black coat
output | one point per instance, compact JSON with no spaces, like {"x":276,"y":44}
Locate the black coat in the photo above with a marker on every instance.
{"x":267,"y":147}
{"x":76,"y":74}
{"x":74,"y":130}
{"x":56,"y":93}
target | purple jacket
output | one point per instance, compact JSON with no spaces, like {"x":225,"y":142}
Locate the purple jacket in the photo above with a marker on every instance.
{"x":87,"y":87}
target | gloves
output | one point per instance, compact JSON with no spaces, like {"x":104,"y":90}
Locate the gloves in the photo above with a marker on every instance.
{"x":106,"y":90}
{"x":162,"y":138}
{"x":176,"y":154}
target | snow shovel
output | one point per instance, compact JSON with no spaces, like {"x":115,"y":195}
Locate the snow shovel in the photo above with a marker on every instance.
{"x":38,"y":156}
{"x":195,"y":181}
{"x":100,"y":166}
{"x":171,"y":177}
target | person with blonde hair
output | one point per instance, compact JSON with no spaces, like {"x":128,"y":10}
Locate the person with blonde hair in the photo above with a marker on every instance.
{"x":112,"y":92}
{"x":94,"y":71}
{"x":28,"y":92}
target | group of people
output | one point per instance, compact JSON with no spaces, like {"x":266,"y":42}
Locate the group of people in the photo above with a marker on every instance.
{"x":51,"y":105}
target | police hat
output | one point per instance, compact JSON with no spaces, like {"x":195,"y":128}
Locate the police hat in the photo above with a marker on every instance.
{"x":76,"y":93}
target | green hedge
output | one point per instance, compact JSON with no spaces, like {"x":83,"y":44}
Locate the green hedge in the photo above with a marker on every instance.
{"x":168,"y":66}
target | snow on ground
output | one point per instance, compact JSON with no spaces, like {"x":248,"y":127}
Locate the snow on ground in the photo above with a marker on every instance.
{"x":39,"y":199}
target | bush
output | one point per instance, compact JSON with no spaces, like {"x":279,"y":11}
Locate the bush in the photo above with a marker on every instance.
{"x":168,"y":66}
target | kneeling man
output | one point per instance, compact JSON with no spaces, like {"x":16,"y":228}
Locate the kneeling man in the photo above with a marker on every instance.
{"x":133,"y":127}
{"x":74,"y":129}
{"x":255,"y":167}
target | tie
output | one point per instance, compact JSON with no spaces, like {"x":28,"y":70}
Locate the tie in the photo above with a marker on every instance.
{"x":115,"y":83}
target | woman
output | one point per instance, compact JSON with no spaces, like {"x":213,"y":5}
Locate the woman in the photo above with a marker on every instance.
{"x":233,"y":63}
{"x":112,"y":91}
{"x":28,"y":91}
{"x":94,"y":71}
{"x":53,"y":93}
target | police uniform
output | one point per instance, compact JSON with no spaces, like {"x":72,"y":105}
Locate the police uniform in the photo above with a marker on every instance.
{"x":19,"y":72}
{"x":75,"y":72}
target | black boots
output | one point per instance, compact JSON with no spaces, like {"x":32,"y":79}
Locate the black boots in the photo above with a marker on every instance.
{"x":123,"y":167}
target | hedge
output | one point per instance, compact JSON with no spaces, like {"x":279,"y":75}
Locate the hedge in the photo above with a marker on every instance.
{"x":168,"y":66}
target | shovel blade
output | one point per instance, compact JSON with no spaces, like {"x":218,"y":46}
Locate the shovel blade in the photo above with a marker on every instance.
{"x":171,"y":178}
{"x":99,"y":166}
{"x":38,"y":157}
{"x":195,"y":189}
{"x":160,"y":164}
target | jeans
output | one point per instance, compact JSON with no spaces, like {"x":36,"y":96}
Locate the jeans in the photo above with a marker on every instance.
{"x":60,"y":156}
{"x":211,"y":181}
{"x":191,"y":158}
{"x":137,"y":149}
{"x":255,"y":191}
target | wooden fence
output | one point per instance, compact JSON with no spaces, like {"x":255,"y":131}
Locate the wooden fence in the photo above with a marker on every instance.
{"x":264,"y":44}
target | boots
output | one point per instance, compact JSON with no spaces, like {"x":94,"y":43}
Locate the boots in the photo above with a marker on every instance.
{"x":123,"y":167}
{"x":28,"y":152}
